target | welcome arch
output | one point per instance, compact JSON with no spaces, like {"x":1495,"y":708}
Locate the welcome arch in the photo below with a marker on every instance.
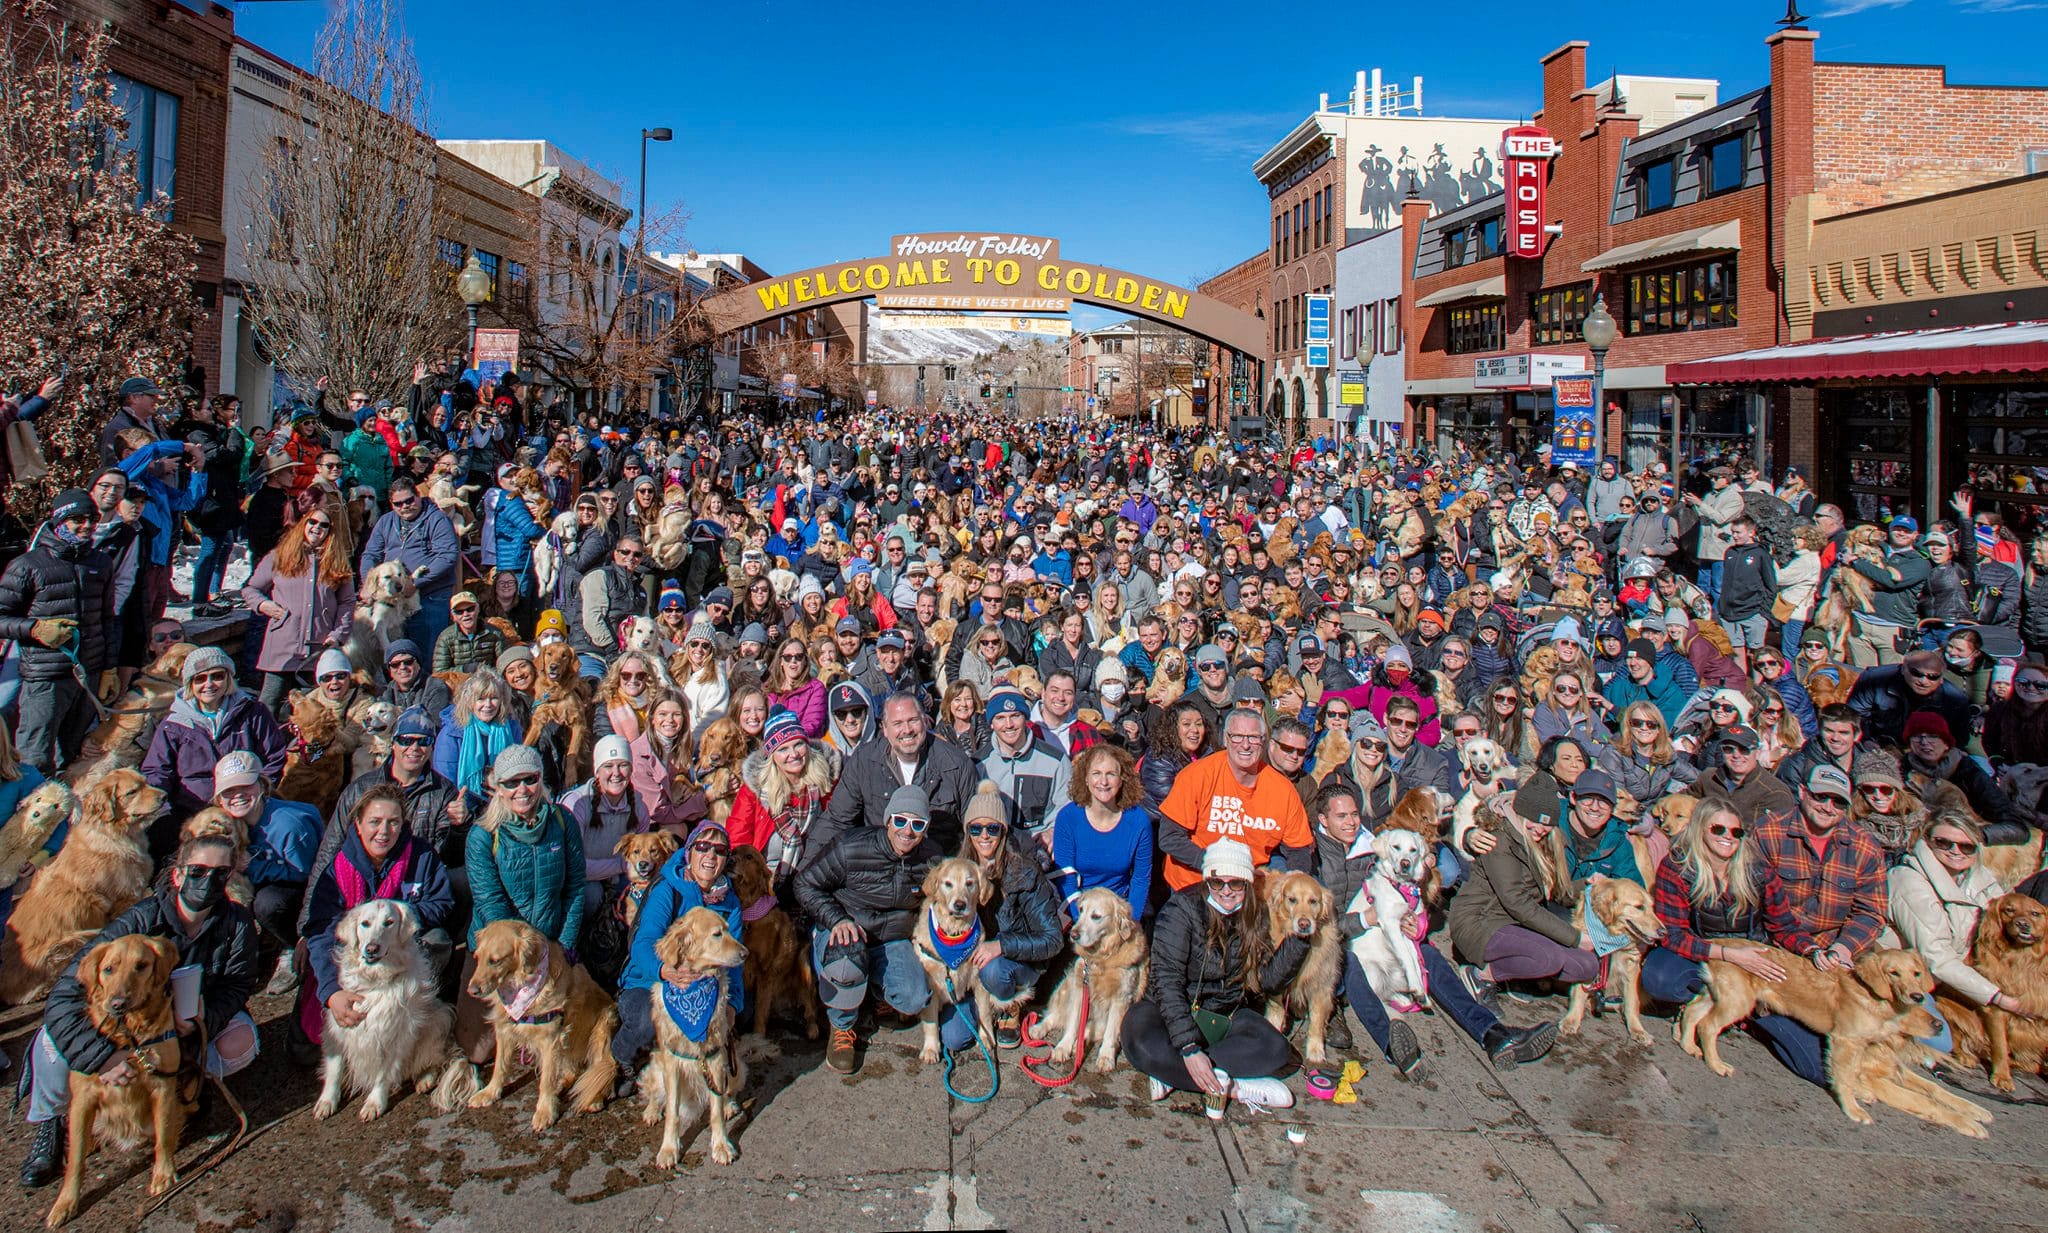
{"x":974,"y":271}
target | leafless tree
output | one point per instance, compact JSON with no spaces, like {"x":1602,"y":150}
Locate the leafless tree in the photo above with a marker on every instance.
{"x":344,"y":278}
{"x":91,"y":280}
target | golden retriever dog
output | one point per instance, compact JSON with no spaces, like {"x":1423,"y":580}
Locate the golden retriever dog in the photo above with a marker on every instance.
{"x":720,"y":751}
{"x":558,"y":674}
{"x":1882,"y":1067}
{"x":1853,"y":1004}
{"x":778,"y":971}
{"x":101,"y":870}
{"x":1624,"y":908}
{"x":317,"y":767}
{"x":644,"y":853}
{"x":954,"y":893}
{"x":2011,"y":949}
{"x":407,"y":1032}
{"x":37,"y":818}
{"x":1674,"y":813}
{"x":1298,"y":905}
{"x":128,"y":1000}
{"x":1852,"y":592}
{"x":1169,"y":676}
{"x":573,"y":716}
{"x":1333,"y":752}
{"x":684,"y":1069}
{"x":122,"y":738}
{"x":213,"y":822}
{"x":540,"y":1002}
{"x":1110,"y":966}
{"x":386,"y":599}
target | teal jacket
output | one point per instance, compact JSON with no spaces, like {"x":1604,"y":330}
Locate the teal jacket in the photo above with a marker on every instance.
{"x":540,"y":883}
{"x":1609,"y":852}
{"x":366,"y":462}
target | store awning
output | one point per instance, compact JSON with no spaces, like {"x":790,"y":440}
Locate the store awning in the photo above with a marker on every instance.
{"x":1719,"y":238}
{"x":1962,"y":350}
{"x":1495,"y":288}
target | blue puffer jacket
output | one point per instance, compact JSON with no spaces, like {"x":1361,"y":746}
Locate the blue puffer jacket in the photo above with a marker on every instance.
{"x":540,"y":883}
{"x":512,"y":536}
{"x":283,"y":843}
{"x":673,"y":894}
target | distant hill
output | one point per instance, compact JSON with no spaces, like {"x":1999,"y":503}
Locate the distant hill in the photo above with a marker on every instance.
{"x":895,"y":338}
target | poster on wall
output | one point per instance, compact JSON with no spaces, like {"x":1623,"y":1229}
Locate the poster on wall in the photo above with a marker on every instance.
{"x":497,"y":353}
{"x":1571,"y":432}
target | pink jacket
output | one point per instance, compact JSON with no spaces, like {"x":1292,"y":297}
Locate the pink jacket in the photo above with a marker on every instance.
{"x":807,"y":703}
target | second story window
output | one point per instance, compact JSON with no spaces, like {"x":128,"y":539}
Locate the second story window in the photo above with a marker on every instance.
{"x":1726,"y":164}
{"x":152,"y":136}
{"x":1656,"y":184}
{"x":1475,"y":327}
{"x":1454,"y":248}
{"x":1557,"y":315}
{"x":1489,"y":239}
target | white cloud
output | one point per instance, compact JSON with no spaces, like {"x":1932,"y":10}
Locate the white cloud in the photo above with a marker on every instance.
{"x":1221,"y":135}
{"x":1846,"y":8}
{"x":2000,"y":6}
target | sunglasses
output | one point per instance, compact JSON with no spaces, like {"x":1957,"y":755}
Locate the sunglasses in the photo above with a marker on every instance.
{"x":1722,"y":706}
{"x":1650,"y":724}
{"x":334,"y":676}
{"x":982,"y":829}
{"x":1454,"y":654}
{"x":1722,"y":828}
{"x":633,"y":676}
{"x":1918,"y":675}
{"x":1829,"y":799}
{"x":1403,"y":724}
{"x":2030,"y":686}
{"x":791,"y":656}
{"x":208,"y":678}
{"x":1961,"y":846}
{"x":1877,"y":789}
{"x":1226,"y":886}
{"x":412,"y":742}
{"x":517,"y":782}
{"x":1336,"y":716}
{"x":318,"y":524}
{"x":708,"y":847}
{"x":1295,"y":751}
{"x":911,"y":822}
{"x":1380,"y":746}
{"x":1510,"y":699}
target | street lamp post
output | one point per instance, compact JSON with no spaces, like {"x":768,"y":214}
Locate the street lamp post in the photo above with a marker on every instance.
{"x":1599,"y":331}
{"x":647,"y":135}
{"x":474,"y":287}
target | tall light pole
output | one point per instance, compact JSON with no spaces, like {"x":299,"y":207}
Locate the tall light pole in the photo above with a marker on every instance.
{"x":647,"y":135}
{"x":474,"y":287}
{"x":1599,"y":331}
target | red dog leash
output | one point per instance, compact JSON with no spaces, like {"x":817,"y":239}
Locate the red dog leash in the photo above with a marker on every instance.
{"x":1027,"y":1031}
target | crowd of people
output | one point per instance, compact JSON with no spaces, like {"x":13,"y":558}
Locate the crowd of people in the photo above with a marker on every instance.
{"x":1080,"y":654}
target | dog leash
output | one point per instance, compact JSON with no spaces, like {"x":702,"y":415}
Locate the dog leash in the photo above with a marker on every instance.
{"x":233,"y":1145}
{"x":1078,"y":1038}
{"x":995,"y":1077}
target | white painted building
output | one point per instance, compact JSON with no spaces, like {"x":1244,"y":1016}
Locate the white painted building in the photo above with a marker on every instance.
{"x":1367,"y":321}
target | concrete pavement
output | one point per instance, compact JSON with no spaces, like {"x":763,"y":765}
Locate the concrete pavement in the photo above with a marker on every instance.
{"x":1602,"y":1135}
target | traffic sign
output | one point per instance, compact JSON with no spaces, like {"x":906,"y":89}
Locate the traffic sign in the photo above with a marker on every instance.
{"x":1066,"y":389}
{"x":1091,"y":402}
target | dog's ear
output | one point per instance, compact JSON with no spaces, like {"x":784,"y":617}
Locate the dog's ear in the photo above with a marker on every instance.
{"x":929,"y":889}
{"x":619,"y":848}
{"x":669,"y":947}
{"x":165,"y":954}
{"x":89,"y":973}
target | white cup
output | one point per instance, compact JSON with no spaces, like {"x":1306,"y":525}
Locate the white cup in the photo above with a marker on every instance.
{"x":185,"y":991}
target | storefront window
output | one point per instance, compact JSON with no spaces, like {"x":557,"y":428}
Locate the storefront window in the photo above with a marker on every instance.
{"x":1472,"y":420}
{"x":2002,"y":433}
{"x":1878,"y":432}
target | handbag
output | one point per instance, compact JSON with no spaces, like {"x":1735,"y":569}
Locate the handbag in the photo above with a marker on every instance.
{"x":1781,"y":610}
{"x":25,"y":453}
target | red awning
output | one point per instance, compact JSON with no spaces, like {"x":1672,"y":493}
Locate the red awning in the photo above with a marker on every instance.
{"x":1963,"y":350}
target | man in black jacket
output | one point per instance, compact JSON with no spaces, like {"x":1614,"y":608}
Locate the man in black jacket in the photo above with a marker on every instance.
{"x":1749,"y":583}
{"x":213,"y":933}
{"x":907,"y":755}
{"x":1886,"y":696}
{"x":57,"y":602}
{"x":862,"y":894}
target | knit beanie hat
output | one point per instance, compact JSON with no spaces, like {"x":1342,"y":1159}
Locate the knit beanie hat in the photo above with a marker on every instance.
{"x":551,"y":622}
{"x":986,"y":803}
{"x":331,"y":662}
{"x":782,"y":728}
{"x":206,"y":659}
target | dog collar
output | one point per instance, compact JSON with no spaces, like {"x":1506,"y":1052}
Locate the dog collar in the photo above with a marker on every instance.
{"x":952,"y":951}
{"x":523,"y":998}
{"x":758,"y":909}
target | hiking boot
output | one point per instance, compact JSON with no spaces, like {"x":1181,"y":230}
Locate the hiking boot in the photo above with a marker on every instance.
{"x":1483,"y":991}
{"x":1337,"y":1034}
{"x":1259,"y":1094}
{"x":1509,"y":1047}
{"x":843,"y":1053}
{"x":1403,"y":1050}
{"x":1008,"y":1035}
{"x":45,"y":1156}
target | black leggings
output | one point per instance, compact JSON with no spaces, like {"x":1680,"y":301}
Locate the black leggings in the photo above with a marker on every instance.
{"x":1251,"y":1049}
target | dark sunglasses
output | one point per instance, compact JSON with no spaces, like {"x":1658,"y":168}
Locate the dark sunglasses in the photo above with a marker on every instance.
{"x":979,"y":829}
{"x":709,"y":846}
{"x":1722,"y":828}
{"x":412,"y":742}
{"x":1962,"y":846}
{"x":520,"y":781}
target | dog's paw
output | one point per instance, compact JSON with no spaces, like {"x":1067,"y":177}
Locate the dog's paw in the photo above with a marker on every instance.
{"x":544,"y":1118}
{"x":161,"y":1180}
{"x":1722,"y":1069}
{"x":1315,"y":1054}
{"x":1104,"y":1066}
{"x":1569,"y":1025}
{"x":60,"y":1212}
{"x":483,"y":1100}
{"x":372,"y":1110}
{"x":1976,"y":1130}
{"x":324,"y":1109}
{"x":1642,"y":1037}
{"x":650,"y":1113}
{"x":2004,"y":1083}
{"x":928,"y":1055}
{"x":666,"y":1158}
{"x":723,"y":1152}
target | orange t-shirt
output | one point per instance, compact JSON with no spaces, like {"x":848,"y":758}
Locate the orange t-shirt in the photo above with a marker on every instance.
{"x":1208,"y":800}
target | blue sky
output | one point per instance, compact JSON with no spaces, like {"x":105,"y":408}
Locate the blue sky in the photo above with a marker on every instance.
{"x":808,"y":132}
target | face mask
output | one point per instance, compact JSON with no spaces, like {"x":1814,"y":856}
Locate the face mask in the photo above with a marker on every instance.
{"x":1220,"y":910}
{"x":203,"y":893}
{"x":65,"y":535}
{"x":1113,"y":691}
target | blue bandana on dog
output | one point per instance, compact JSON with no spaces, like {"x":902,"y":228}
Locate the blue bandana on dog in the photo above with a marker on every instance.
{"x":692,"y":1005}
{"x":953,"y":951}
{"x":1605,"y":941}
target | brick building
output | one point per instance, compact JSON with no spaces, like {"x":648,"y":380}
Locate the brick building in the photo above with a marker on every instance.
{"x":1245,"y":286}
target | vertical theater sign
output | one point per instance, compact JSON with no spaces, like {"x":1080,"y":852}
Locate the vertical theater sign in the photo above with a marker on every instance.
{"x":1526,"y":151}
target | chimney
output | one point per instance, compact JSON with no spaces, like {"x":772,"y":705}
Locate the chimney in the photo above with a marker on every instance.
{"x":1358,"y":94}
{"x":1791,"y":170}
{"x":1566,"y":112}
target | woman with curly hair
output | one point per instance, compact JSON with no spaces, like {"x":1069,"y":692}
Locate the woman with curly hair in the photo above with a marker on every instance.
{"x":1103,"y":836}
{"x":962,"y":722}
{"x":1180,"y":734}
{"x":629,"y":690}
{"x":792,"y":684}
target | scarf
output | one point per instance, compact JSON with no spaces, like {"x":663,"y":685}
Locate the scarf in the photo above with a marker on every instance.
{"x":481,"y":743}
{"x":691,"y":1006}
{"x":1605,"y":941}
{"x":526,"y":830}
{"x":355,"y":888}
{"x":952,"y":951}
{"x":792,"y":825}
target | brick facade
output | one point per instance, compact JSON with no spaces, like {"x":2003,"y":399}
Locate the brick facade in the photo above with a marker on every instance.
{"x":1244,"y":286}
{"x":1894,"y":132}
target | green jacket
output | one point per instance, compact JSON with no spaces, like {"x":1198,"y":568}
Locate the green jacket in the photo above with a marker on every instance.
{"x":455,"y":651}
{"x":540,"y":883}
{"x":366,"y":463}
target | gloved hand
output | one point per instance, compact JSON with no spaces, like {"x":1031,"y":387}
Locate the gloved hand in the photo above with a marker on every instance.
{"x":110,"y":687}
{"x":54,"y":632}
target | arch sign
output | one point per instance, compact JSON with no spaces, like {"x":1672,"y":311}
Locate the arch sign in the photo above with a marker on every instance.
{"x":971,"y":271}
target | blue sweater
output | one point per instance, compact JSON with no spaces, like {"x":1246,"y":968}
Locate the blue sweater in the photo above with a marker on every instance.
{"x":283,"y":843}
{"x":1120,"y":860}
{"x":673,"y":894}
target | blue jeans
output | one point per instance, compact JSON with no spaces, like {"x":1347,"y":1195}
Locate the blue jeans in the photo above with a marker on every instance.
{"x":212,"y":563}
{"x":424,"y":627}
{"x":1449,"y":865}
{"x":903,"y":983}
{"x":1789,"y":642}
{"x":1710,"y":580}
{"x":1005,"y":980}
{"x":1445,"y":989}
{"x":1671,"y":978}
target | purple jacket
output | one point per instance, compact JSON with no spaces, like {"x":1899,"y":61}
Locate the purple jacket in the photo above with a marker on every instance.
{"x":186,"y":746}
{"x":808,"y":704}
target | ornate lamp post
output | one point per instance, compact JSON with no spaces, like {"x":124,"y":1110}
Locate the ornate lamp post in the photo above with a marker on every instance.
{"x":474,"y":286}
{"x":1599,"y":332}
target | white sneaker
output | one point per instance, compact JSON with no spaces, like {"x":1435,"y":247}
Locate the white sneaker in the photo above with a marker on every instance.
{"x":1262,"y":1093}
{"x":286,"y":977}
{"x":1159,"y":1090}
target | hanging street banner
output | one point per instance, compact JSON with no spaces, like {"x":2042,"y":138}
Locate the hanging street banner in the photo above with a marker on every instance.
{"x":497,"y":353}
{"x":1571,"y":432}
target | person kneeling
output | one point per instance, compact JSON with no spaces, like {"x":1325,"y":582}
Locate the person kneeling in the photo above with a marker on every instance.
{"x":695,"y":877}
{"x":1024,"y":918}
{"x":1193,"y":1032}
{"x":864,"y":892}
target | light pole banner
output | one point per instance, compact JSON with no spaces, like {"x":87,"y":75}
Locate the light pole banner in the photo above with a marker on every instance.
{"x":1571,"y":432}
{"x":497,"y":353}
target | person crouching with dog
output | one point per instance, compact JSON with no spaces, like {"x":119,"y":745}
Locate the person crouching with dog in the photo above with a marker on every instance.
{"x":695,"y":877}
{"x":1022,"y":909}
{"x":1195,"y":1032}
{"x":863,"y":893}
{"x":379,"y":857}
{"x":213,"y":933}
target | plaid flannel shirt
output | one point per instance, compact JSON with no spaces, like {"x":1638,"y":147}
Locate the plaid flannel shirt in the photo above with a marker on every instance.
{"x":1673,"y":895}
{"x":1837,"y":895}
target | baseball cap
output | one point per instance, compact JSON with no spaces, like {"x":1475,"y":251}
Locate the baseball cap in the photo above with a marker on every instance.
{"x":847,"y":696}
{"x":847,"y":625}
{"x":416,"y":722}
{"x":1595,"y":783}
{"x":1905,"y":522}
{"x":1308,"y":644}
{"x":138,"y":385}
{"x":1827,"y":780}
{"x":462,"y":599}
{"x":237,"y":769}
{"x":1742,"y":736}
{"x":892,"y":640}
